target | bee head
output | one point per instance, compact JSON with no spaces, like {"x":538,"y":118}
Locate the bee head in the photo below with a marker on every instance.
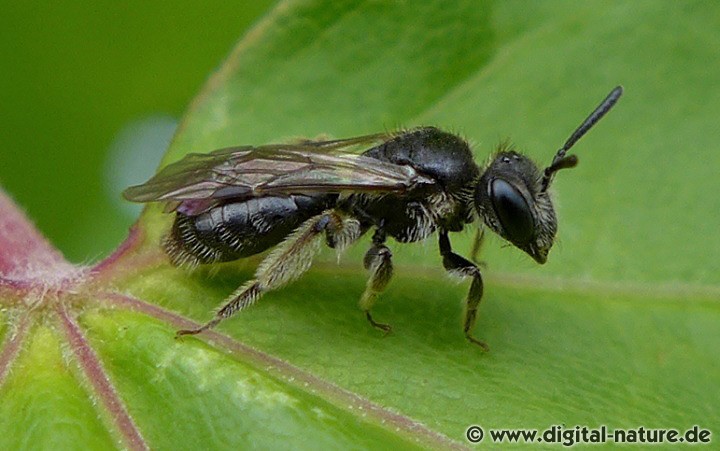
{"x":512,"y":194}
{"x":511,"y":197}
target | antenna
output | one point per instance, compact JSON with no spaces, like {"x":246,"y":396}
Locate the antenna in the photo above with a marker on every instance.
{"x":563,"y":162}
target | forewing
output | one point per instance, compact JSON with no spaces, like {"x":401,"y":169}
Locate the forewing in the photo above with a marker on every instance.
{"x":199,"y":181}
{"x":337,"y":173}
{"x":196,"y":176}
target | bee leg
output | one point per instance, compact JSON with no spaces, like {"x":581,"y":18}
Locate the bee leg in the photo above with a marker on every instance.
{"x":462,"y":267}
{"x":287,"y":262}
{"x":478,"y":241}
{"x":378,"y":260}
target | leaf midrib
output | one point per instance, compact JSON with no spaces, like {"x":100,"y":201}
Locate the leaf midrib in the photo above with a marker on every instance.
{"x":639,"y":291}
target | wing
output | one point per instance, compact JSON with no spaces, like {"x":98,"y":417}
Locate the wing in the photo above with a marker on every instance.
{"x":199,"y":181}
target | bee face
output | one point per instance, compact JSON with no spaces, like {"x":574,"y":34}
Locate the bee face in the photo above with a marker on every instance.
{"x":511,"y":195}
{"x":510,"y":199}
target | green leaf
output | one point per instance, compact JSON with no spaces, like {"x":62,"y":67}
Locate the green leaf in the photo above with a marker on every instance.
{"x":619,"y":328}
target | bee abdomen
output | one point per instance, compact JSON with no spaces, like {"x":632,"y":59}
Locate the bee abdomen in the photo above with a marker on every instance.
{"x":239,"y":229}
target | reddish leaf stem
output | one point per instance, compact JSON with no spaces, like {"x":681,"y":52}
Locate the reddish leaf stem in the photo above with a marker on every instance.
{"x":134,"y":238}
{"x":24,"y":253}
{"x":96,"y":375}
{"x":11,"y":347}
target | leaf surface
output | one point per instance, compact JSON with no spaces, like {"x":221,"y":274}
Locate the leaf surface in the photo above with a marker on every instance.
{"x":621,"y":327}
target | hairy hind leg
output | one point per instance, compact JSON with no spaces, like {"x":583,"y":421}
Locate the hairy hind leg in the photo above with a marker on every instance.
{"x":287,"y":262}
{"x":378,"y":260}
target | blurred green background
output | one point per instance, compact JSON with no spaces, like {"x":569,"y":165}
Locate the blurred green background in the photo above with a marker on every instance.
{"x":82,"y":82}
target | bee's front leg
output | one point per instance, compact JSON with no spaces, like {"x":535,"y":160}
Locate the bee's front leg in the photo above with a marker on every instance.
{"x":478,"y":241}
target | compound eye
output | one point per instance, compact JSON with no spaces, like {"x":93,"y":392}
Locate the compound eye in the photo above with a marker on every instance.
{"x":513,"y":212}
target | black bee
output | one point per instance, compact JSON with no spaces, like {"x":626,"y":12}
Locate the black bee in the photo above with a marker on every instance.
{"x":237,"y":202}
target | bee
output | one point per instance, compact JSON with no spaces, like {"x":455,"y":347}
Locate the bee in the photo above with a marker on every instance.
{"x":237,"y":202}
